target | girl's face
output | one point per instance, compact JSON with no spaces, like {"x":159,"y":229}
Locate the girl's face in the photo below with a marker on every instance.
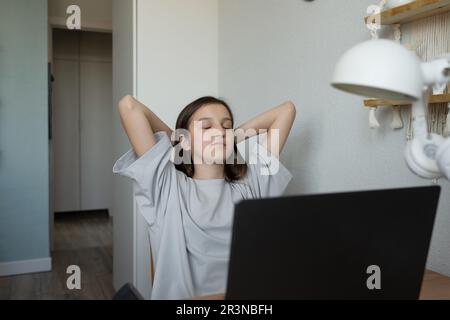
{"x":211,"y":133}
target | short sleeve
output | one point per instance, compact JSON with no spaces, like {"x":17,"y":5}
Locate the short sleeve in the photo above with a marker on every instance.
{"x":153,"y":173}
{"x":266,"y":175}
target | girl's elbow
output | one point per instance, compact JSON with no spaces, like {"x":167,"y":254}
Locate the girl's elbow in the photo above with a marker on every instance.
{"x":126,"y":103}
{"x":290,"y":108}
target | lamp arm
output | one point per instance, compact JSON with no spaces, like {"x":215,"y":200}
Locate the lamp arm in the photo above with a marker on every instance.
{"x":428,"y":154}
{"x":419,"y":111}
{"x":420,"y":152}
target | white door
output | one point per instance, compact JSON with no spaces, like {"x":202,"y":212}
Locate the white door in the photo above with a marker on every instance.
{"x":82,"y":120}
{"x":96,"y":121}
{"x":66,"y":137}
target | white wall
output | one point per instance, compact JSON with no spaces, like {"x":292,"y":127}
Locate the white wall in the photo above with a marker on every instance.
{"x":270,"y":51}
{"x":177,"y":53}
{"x":95,"y":15}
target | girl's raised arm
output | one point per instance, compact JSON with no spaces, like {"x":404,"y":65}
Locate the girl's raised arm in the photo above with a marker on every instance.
{"x":140,"y":123}
{"x":279,"y":119}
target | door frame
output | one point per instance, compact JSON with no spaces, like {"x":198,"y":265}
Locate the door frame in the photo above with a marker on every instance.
{"x":60,"y":23}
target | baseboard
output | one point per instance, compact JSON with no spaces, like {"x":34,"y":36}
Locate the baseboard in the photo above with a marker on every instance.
{"x":101,"y":213}
{"x":25,"y":266}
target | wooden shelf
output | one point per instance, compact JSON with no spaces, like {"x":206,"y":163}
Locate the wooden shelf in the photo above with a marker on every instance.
{"x":412,"y":11}
{"x":438,"y":98}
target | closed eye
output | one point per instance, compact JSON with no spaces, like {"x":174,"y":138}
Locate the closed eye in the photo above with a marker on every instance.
{"x":227,"y":125}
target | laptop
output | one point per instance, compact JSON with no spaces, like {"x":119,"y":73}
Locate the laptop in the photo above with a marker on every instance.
{"x":351,"y":245}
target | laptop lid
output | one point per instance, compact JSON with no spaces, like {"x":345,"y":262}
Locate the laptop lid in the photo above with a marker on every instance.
{"x":351,"y":245}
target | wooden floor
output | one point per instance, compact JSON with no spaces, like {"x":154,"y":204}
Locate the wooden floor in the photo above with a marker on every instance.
{"x":83,"y":240}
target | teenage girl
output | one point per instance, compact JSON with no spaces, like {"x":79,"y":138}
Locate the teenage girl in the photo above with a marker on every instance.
{"x":189,"y":204}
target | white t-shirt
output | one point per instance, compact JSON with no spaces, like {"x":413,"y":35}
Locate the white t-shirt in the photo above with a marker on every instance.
{"x":190,"y":221}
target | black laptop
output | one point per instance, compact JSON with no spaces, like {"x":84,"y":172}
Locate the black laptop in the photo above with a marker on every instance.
{"x":353,"y":245}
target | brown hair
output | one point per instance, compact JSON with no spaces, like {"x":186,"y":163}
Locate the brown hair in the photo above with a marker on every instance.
{"x":233,"y":172}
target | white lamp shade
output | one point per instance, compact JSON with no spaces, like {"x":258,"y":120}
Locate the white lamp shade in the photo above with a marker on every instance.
{"x":380,"y":68}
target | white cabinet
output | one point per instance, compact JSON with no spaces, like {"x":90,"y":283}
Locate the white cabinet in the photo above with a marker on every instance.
{"x":82,"y":120}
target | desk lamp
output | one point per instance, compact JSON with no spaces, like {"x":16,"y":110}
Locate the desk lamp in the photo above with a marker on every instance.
{"x":384,"y":69}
